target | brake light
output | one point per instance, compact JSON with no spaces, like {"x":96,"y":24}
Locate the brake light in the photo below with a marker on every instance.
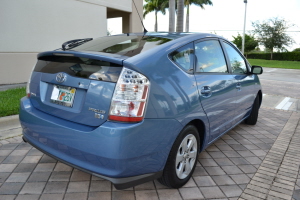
{"x":28,"y":83}
{"x":130,"y":97}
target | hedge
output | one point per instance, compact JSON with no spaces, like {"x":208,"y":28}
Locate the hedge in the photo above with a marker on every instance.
{"x":291,"y":56}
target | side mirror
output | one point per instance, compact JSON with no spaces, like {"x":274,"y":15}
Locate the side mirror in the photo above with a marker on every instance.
{"x":256,"y":69}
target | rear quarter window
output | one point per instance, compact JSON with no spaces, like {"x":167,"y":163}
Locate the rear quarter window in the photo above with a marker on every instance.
{"x":184,"y":57}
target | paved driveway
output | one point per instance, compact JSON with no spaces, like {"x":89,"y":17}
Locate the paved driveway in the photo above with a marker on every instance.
{"x":240,"y":164}
{"x":249,"y":162}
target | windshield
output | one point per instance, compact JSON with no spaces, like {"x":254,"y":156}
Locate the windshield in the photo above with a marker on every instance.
{"x":123,"y":45}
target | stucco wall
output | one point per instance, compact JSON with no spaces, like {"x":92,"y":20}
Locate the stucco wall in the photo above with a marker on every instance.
{"x":32,"y":26}
{"x":28,"y":27}
{"x":16,"y":67}
{"x":124,"y":5}
{"x":136,"y":25}
{"x":40,"y":25}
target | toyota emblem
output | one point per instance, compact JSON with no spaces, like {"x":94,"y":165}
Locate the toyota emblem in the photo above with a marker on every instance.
{"x":61,"y":77}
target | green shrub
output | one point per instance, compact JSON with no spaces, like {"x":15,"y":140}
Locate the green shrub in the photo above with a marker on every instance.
{"x":296,"y":50}
{"x":290,"y":56}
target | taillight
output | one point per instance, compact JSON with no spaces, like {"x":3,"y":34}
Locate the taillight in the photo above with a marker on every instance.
{"x":28,"y":83}
{"x":28,"y":88}
{"x":130,"y":97}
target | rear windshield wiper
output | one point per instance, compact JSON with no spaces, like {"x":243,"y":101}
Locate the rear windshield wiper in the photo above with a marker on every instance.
{"x":74,"y":43}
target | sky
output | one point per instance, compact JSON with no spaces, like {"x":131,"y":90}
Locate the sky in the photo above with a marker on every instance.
{"x":226,"y":18}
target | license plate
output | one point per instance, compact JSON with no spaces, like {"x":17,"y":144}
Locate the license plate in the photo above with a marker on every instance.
{"x":63,"y":95}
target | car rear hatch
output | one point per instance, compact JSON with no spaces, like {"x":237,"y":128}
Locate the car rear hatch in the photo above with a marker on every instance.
{"x":75,"y":86}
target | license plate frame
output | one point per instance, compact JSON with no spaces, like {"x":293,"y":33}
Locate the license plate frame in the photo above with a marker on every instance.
{"x":63,"y":95}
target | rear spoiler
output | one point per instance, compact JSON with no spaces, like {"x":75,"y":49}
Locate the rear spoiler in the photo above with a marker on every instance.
{"x":114,"y":58}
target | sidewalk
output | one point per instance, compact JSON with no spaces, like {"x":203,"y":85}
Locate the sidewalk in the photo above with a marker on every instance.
{"x":249,"y":162}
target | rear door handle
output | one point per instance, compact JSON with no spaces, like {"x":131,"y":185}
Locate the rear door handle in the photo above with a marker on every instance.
{"x":206,"y":91}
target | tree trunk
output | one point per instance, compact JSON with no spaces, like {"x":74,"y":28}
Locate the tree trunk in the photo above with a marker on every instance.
{"x":155,"y":25}
{"x":272,"y":54}
{"x":171,"y":15}
{"x":180,"y":9}
{"x":187,"y":20}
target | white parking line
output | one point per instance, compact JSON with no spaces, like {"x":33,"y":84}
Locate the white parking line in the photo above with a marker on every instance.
{"x":282,"y":103}
{"x":287,"y":106}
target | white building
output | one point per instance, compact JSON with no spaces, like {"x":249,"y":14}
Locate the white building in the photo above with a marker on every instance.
{"x":29,"y":27}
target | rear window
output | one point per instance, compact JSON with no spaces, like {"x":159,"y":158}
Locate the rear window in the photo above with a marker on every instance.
{"x":79,"y":67}
{"x":123,"y":45}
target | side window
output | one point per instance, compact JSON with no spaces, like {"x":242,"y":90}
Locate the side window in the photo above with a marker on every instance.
{"x":184,"y":57}
{"x":237,"y":62}
{"x":210,"y":57}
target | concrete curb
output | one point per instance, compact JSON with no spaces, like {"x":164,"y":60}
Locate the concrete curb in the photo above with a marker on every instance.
{"x":276,"y":177}
{"x":12,"y":86}
{"x":9,"y":122}
{"x":10,"y":126}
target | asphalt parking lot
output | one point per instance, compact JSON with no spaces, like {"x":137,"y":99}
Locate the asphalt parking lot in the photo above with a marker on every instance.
{"x":249,"y":162}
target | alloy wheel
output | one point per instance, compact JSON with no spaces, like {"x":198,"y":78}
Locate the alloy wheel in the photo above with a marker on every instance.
{"x":186,"y":156}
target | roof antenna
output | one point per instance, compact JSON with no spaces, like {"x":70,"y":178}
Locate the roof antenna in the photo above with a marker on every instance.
{"x":145,"y":30}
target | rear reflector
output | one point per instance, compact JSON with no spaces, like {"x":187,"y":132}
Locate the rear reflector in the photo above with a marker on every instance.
{"x":125,"y":119}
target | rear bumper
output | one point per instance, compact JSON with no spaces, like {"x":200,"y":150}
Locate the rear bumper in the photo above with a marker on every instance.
{"x":125,"y":154}
{"x":120,"y":183}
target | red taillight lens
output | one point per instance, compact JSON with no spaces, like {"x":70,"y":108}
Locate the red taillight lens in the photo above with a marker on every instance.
{"x":130,"y":97}
{"x":125,"y":119}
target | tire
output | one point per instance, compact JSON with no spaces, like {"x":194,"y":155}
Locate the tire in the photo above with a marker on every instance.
{"x":182,"y":159}
{"x":252,"y":119}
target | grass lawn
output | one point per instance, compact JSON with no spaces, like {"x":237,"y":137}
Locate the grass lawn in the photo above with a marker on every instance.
{"x":10,"y":101}
{"x":275,"y":63}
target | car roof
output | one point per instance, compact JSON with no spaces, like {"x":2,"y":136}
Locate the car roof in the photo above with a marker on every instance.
{"x":175,"y":35}
{"x":172,"y":42}
{"x":132,"y":44}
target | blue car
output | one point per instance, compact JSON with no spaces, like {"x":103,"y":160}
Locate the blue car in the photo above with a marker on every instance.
{"x":132,"y":108}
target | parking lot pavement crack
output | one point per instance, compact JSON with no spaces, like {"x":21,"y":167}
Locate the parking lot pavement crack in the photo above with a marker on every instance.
{"x":280,"y":181}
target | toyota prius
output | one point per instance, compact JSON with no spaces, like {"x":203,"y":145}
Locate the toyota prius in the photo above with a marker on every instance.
{"x":132,"y":108}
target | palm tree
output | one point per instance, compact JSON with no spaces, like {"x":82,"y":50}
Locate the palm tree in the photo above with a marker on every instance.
{"x":156,"y":6}
{"x":180,"y":9}
{"x":172,"y":15}
{"x":187,"y":3}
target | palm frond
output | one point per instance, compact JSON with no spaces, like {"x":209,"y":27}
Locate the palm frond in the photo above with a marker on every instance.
{"x":199,"y":3}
